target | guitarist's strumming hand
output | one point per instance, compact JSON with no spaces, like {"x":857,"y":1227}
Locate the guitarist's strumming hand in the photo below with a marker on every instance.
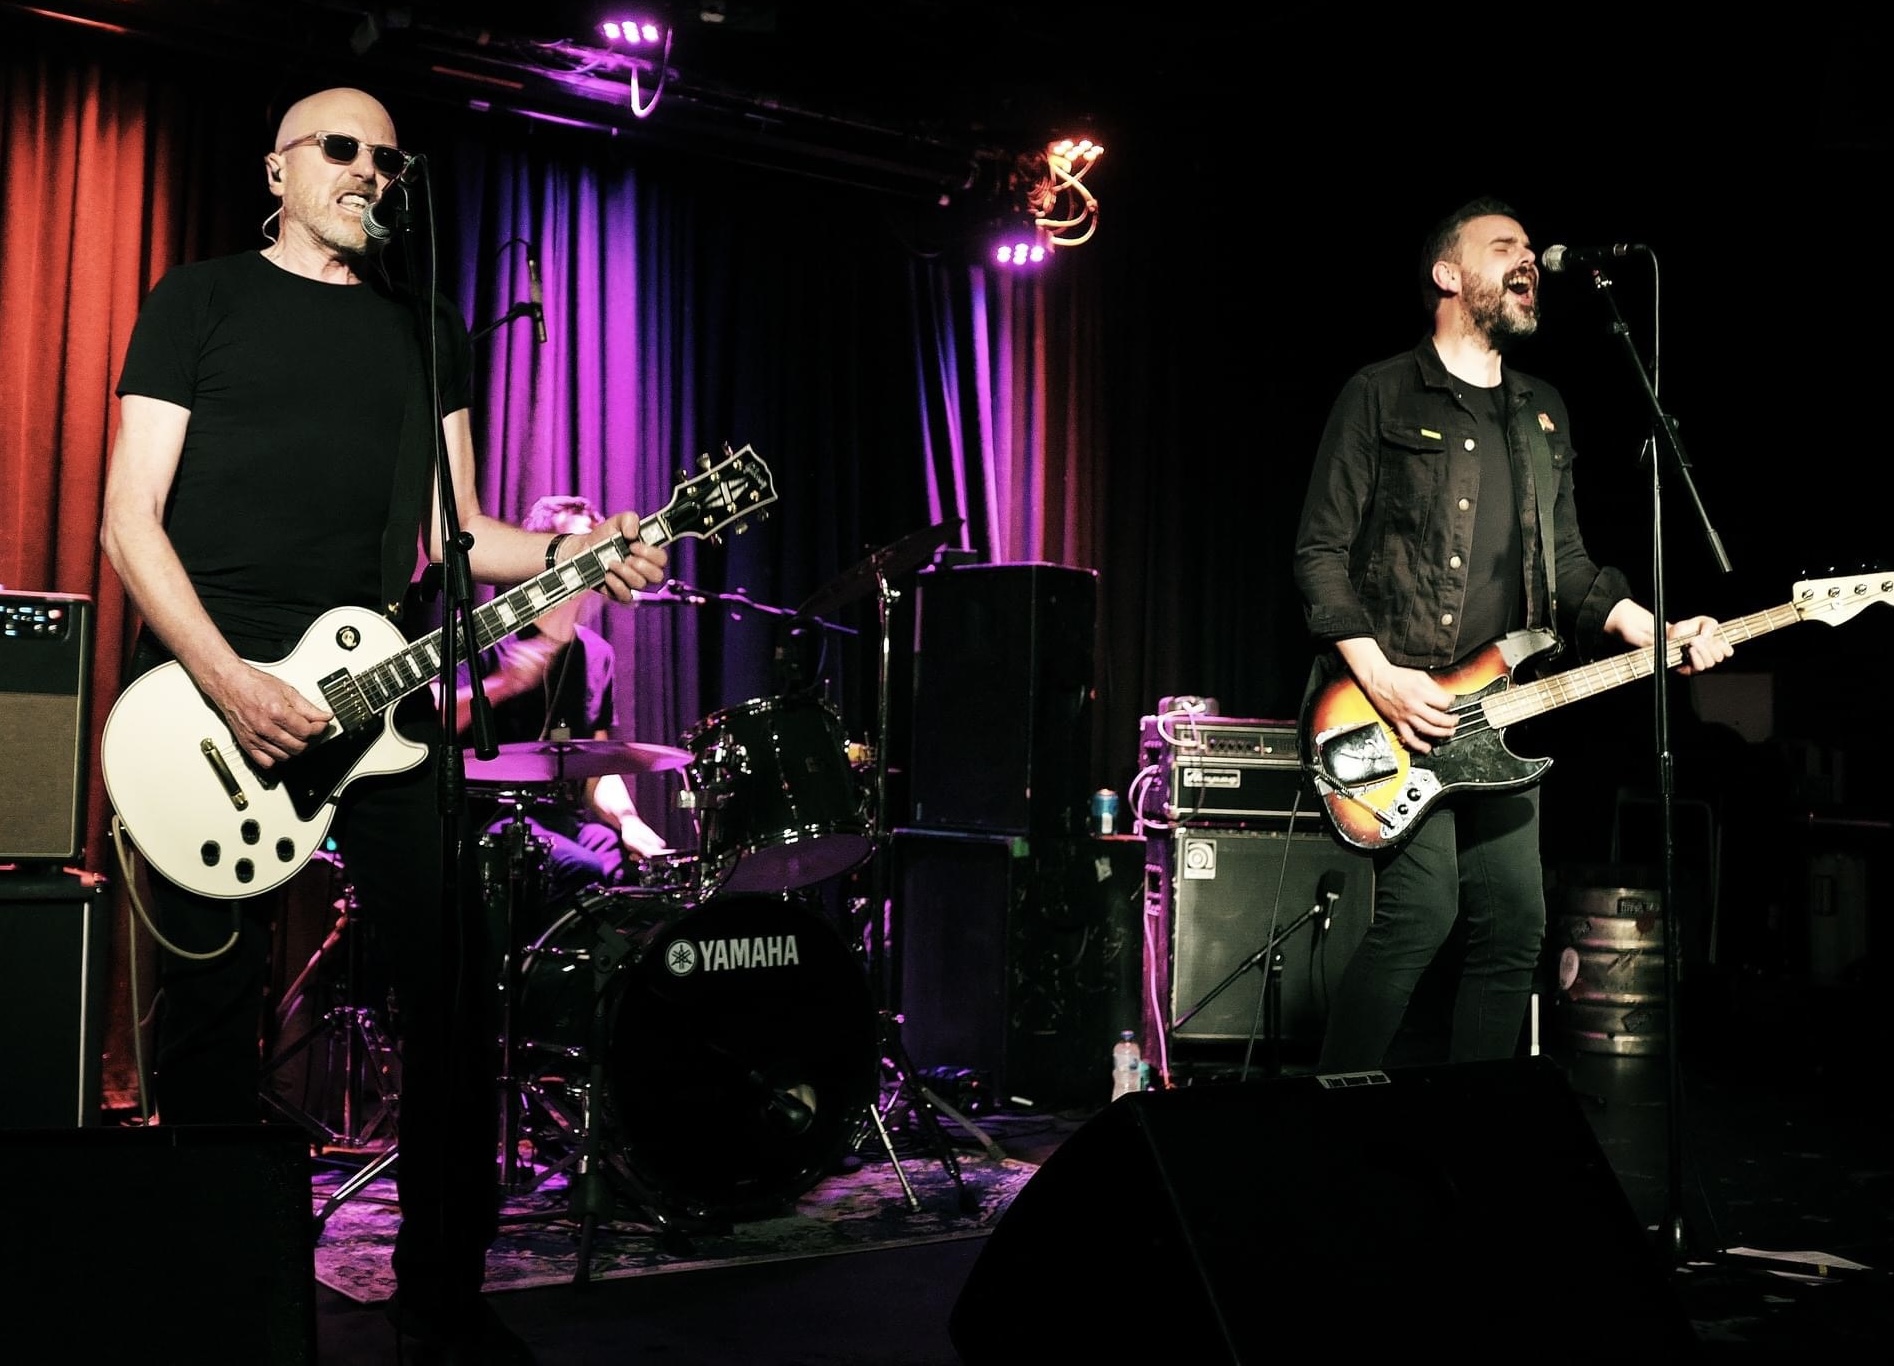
{"x":268,"y":718}
{"x":1704,"y":645}
{"x":1409,"y":700}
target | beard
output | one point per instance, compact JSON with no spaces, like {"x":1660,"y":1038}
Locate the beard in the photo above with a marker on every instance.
{"x":1502,"y":316}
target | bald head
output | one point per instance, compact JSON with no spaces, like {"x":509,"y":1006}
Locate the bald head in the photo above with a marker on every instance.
{"x":341,"y":110}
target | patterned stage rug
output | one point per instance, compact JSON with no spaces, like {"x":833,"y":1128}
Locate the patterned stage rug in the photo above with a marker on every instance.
{"x":538,"y":1245}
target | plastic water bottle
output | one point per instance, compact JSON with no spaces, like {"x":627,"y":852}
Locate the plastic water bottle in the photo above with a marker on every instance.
{"x":1126,"y":1065}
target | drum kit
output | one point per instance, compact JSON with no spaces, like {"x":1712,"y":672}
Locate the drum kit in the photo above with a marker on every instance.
{"x":701,"y":1040}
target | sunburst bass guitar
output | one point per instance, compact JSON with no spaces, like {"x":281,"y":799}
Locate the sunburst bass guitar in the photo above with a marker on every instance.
{"x":209,"y":820}
{"x":1375,"y":791}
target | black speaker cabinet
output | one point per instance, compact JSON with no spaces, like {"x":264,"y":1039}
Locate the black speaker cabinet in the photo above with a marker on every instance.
{"x":1229,"y":892}
{"x":193,"y":1242}
{"x":55,"y":951}
{"x":1467,"y":1210}
{"x":1020,"y":959}
{"x":45,"y":673}
{"x":1002,"y":719}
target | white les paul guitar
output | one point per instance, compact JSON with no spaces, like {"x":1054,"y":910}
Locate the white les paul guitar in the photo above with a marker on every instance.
{"x":211,"y":821}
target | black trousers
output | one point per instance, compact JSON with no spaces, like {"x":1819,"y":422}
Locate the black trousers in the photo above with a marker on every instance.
{"x":442,"y":965}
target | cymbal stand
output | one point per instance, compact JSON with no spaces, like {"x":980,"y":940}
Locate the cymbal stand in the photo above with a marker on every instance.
{"x":908,"y":1093}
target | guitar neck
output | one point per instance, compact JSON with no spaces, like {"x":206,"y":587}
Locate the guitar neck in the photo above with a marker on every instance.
{"x":403,"y":672}
{"x":1528,"y":700}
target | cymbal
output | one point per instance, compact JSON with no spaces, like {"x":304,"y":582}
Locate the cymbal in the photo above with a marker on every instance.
{"x":552,"y":761}
{"x":910,"y":552}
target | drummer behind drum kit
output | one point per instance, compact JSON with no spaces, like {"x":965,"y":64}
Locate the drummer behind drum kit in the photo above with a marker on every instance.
{"x":699,"y":1039}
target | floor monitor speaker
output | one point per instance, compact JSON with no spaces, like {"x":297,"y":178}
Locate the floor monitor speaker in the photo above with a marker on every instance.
{"x":193,"y":1242}
{"x":1467,"y":1209}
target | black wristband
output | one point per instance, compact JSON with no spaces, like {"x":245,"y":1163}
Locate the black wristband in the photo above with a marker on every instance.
{"x":552,"y":548}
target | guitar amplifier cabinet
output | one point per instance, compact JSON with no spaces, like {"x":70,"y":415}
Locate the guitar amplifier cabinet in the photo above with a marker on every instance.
{"x":45,"y":673}
{"x":1227,"y":892}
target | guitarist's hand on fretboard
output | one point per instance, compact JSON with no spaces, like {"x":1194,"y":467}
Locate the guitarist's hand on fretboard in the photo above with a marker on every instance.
{"x":641,"y":568}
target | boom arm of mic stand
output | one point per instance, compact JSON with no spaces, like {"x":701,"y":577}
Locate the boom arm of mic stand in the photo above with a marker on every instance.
{"x":1274,"y":940}
{"x":513,"y":314}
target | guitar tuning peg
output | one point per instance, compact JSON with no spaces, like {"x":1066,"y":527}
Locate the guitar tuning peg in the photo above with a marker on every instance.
{"x":683,"y":475}
{"x":703,"y":462}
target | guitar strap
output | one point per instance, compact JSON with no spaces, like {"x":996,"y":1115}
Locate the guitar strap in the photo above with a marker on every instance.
{"x":1545,"y":484}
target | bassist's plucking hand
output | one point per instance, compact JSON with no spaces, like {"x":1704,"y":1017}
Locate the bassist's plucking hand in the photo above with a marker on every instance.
{"x":1411,"y":701}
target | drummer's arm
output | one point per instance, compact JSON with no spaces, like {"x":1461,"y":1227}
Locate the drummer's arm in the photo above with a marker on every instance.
{"x":521,"y":667}
{"x":610,"y":799}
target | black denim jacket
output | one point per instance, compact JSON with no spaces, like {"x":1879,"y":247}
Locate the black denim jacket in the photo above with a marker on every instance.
{"x":1388,"y":519}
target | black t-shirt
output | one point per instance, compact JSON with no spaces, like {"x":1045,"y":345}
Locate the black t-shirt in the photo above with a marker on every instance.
{"x":301,"y":394}
{"x":1495,"y":563}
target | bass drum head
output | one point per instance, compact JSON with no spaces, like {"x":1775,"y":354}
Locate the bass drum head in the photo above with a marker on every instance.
{"x":744,"y":1053}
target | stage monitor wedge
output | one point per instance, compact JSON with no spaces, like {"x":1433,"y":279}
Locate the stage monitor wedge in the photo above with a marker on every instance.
{"x":1464,"y":1210}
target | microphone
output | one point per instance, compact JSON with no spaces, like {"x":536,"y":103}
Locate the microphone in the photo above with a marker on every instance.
{"x":1328,"y":891}
{"x":539,"y":302}
{"x":1559,"y":257}
{"x":377,"y":231}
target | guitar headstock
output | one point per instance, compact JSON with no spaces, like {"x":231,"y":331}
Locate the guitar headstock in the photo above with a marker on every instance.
{"x":721,"y":496}
{"x":1834,"y":600}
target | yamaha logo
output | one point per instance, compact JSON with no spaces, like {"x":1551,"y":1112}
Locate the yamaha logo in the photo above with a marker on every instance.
{"x":686,"y":956}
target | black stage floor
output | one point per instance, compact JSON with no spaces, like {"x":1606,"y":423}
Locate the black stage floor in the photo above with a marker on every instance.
{"x":1784,"y":1154}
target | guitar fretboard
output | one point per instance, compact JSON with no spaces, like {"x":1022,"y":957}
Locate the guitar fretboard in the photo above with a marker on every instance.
{"x":358,"y":697}
{"x":1526,"y":701}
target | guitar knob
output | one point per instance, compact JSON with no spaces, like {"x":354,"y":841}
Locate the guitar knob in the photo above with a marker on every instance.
{"x":252,"y":832}
{"x":210,"y":853}
{"x":286,"y":850}
{"x":245,"y":870}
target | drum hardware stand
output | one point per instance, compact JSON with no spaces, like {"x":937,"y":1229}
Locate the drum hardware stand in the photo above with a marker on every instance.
{"x":589,"y":1192}
{"x":368,"y":1055}
{"x":520,"y":886}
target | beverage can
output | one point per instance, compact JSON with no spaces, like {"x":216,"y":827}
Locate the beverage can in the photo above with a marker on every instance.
{"x":1104,"y":812}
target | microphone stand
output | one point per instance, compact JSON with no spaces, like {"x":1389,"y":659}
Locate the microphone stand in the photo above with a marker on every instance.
{"x":1675,"y":1235}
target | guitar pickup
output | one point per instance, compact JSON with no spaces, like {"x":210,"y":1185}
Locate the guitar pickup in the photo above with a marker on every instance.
{"x":232,"y":789}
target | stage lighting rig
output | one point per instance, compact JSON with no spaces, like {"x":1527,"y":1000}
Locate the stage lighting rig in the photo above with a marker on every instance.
{"x":1048,"y":205}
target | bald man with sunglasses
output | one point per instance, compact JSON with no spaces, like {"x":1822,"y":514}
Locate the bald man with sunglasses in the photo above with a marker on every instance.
{"x":274,"y":459}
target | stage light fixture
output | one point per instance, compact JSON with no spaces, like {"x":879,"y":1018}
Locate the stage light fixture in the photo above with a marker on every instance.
{"x":1046,"y":205}
{"x":1061,"y":203}
{"x":644,"y":37}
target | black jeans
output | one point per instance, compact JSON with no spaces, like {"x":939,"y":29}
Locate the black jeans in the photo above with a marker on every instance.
{"x":443,"y":968}
{"x":1470,"y":872}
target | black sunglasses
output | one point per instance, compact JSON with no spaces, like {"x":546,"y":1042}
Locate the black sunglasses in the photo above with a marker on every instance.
{"x":343,"y":149}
